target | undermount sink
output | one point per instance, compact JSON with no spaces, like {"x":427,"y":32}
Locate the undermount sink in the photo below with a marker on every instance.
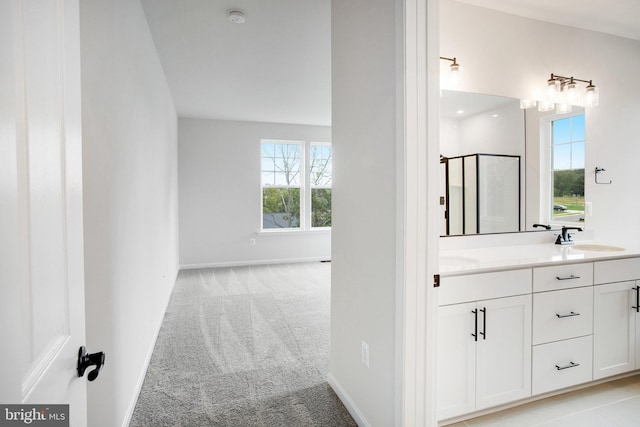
{"x":597,"y":248}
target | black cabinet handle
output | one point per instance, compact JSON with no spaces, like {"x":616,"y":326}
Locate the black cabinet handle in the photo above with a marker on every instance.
{"x":475,"y":335}
{"x":562,"y":316}
{"x":85,"y":360}
{"x":637,"y":306}
{"x":484,"y":323}
{"x":568,"y":278}
{"x":570,"y":365}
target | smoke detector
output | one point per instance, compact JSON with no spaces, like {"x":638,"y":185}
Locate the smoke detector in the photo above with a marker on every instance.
{"x":237,"y":16}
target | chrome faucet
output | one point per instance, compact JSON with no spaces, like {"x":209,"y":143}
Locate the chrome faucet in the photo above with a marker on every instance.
{"x":564,"y":238}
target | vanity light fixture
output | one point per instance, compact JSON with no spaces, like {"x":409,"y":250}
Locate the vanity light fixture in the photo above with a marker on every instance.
{"x":564,"y":90}
{"x":454,"y":71}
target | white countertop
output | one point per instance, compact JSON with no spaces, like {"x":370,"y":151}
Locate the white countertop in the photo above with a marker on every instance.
{"x":465,"y":261}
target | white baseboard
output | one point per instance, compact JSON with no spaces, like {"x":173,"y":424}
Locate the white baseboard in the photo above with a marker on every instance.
{"x":143,"y":373}
{"x":252,"y":262}
{"x":347,"y":402}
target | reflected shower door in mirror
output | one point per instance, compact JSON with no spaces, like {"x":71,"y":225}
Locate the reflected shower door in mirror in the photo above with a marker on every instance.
{"x":482,"y":144}
{"x":482,"y":194}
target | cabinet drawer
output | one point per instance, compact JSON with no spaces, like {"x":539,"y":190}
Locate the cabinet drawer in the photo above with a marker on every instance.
{"x":562,"y":277}
{"x":616,"y":270}
{"x":561,"y":364}
{"x":559,"y":315}
{"x":475,"y":287}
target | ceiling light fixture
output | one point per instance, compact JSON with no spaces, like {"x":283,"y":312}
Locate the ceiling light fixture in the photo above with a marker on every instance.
{"x":454,"y":71}
{"x":237,"y":16}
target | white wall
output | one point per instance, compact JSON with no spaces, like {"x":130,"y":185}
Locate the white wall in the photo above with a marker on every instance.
{"x":493,"y":135}
{"x":130,"y":200}
{"x":363,"y":288}
{"x":220,"y":200}
{"x":481,"y":133}
{"x":512,"y":56}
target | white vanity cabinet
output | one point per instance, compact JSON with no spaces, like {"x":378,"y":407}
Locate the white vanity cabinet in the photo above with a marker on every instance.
{"x":562,"y":326}
{"x":484,"y":341}
{"x":616,"y":317}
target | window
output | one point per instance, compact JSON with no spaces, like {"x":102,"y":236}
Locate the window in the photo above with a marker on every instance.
{"x":296,"y":185}
{"x":567,"y":168}
{"x":320,"y":180}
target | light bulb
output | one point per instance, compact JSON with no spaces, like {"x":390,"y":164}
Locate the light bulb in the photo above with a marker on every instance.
{"x":563,"y":108}
{"x":527,"y":103}
{"x":553,"y":88}
{"x":454,"y":72}
{"x":544,"y":106}
{"x":571,"y":95}
{"x":591,"y":98}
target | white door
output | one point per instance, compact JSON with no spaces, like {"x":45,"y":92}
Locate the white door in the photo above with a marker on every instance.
{"x":614,"y":329}
{"x":456,"y":359}
{"x":41,"y":242}
{"x":504,"y":352}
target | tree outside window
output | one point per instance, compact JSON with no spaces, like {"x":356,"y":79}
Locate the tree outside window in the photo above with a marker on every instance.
{"x":568,"y":161}
{"x":320,"y":177}
{"x":290,"y":199}
{"x":281,"y":173}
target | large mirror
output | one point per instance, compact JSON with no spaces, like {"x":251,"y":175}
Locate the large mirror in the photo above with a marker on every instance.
{"x":504,"y":169}
{"x":482,"y":148}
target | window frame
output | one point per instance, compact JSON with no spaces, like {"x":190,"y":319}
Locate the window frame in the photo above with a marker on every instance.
{"x":305,"y":186}
{"x":301,"y":172}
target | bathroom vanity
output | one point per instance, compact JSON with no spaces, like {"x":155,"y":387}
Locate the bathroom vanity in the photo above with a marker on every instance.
{"x":522,"y":322}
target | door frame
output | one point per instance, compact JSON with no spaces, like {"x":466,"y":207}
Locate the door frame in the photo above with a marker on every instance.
{"x":418,"y":212}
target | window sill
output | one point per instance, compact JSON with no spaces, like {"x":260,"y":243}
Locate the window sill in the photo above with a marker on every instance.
{"x":281,"y":232}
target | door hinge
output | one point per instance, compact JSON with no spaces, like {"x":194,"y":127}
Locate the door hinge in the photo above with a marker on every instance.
{"x":436,"y":280}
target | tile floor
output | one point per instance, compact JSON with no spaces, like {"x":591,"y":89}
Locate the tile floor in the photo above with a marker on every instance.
{"x":614,"y":404}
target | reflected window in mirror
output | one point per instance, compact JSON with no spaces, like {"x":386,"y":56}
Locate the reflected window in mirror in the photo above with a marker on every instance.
{"x":566,"y":151}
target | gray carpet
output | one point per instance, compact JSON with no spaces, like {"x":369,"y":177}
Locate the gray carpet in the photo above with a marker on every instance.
{"x":244,"y":346}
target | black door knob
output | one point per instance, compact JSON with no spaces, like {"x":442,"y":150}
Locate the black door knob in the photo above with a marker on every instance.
{"x":85,"y":360}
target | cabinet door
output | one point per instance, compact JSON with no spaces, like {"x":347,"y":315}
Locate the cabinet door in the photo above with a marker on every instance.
{"x":635,"y":313}
{"x":614,"y":329}
{"x":504,"y":351}
{"x":456,"y":360}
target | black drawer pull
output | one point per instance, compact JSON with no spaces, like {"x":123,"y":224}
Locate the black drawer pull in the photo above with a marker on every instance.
{"x":570,"y":365}
{"x":475,"y":335}
{"x":568,"y":278}
{"x":637,"y":306}
{"x":562,"y":316}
